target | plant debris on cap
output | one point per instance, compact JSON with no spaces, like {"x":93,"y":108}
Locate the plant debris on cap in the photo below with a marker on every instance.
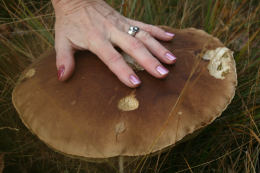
{"x":94,"y":115}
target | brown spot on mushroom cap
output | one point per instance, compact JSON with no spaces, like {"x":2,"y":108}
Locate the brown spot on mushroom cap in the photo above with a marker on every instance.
{"x":87,"y":128}
{"x":73,"y":102}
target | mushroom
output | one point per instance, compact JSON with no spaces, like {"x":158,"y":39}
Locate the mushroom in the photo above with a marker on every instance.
{"x":94,"y":116}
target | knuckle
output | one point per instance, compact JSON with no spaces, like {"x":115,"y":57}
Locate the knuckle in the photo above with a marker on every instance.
{"x":136,"y":44}
{"x":150,"y":63}
{"x":109,"y":25}
{"x":93,"y":35}
{"x":93,"y":41}
{"x":162,"y":51}
{"x":145,"y":36}
{"x":109,"y":14}
{"x":149,"y":28}
{"x":114,"y":58}
{"x":153,"y":29}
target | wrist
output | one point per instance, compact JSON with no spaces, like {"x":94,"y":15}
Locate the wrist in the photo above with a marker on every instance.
{"x":68,"y":6}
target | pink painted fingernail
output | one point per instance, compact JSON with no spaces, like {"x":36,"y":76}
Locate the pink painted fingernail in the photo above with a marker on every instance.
{"x":134,"y":80}
{"x":170,"y":57}
{"x":170,"y":34}
{"x":162,"y":70}
{"x":61,"y":72}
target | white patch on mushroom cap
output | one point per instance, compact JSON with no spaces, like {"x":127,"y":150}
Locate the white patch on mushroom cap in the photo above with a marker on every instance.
{"x":30,"y":73}
{"x":220,"y":61}
{"x":128,"y":103}
{"x":180,"y":113}
{"x":27,"y":75}
{"x":120,"y":127}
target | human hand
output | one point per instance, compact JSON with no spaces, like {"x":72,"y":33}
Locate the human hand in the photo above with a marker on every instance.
{"x":95,"y":26}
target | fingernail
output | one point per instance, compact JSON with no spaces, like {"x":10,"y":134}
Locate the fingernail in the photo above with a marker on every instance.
{"x":61,"y":72}
{"x":162,"y":70}
{"x":134,"y":80}
{"x":170,"y":34}
{"x":170,"y":57}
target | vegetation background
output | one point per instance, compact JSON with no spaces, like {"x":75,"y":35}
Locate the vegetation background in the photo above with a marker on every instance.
{"x":229,"y":145}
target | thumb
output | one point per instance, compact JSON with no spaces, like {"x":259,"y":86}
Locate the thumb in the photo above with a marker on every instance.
{"x":64,"y":59}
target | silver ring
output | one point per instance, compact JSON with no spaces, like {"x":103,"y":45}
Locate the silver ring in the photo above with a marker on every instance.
{"x":133,"y":30}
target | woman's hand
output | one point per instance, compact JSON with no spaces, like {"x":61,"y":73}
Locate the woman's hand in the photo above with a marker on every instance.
{"x":94,"y":25}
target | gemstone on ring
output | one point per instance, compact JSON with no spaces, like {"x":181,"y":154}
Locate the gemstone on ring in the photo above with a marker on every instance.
{"x":133,"y":30}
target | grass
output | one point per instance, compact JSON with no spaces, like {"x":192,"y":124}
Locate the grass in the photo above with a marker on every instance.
{"x":230,"y":144}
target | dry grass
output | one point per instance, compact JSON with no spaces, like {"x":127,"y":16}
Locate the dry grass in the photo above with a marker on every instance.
{"x":229,"y":145}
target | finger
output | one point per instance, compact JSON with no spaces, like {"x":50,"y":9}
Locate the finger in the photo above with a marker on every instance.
{"x":138,"y":51}
{"x":155,"y":47}
{"x":116,"y":63}
{"x":153,"y":30}
{"x":64,"y":59}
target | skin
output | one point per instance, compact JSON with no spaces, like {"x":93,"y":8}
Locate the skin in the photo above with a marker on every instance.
{"x":95,"y":26}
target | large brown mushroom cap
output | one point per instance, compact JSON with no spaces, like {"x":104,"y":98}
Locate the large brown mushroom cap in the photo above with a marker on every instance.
{"x":94,"y":115}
